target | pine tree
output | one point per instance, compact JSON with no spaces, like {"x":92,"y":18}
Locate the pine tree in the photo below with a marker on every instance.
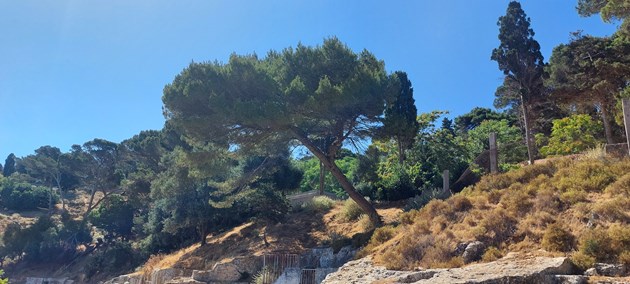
{"x":400,"y":116}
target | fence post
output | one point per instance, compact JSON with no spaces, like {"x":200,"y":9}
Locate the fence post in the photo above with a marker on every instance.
{"x":626,"y":119}
{"x":445,"y":181}
{"x":494,"y":168}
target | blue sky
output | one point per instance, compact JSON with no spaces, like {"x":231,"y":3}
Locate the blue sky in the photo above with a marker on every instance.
{"x":71,"y":71}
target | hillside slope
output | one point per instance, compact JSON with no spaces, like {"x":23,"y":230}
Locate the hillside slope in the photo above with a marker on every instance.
{"x":573,"y":206}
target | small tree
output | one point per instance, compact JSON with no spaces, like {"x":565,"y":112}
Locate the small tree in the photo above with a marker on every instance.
{"x":572,"y":135}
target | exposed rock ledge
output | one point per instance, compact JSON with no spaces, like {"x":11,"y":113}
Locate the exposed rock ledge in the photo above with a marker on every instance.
{"x":514,"y":268}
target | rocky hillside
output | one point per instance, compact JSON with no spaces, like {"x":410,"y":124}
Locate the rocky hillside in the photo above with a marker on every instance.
{"x":573,"y":209}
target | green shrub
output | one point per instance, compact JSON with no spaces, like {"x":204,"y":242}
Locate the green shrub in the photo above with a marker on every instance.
{"x":582,"y":260}
{"x":571,"y":135}
{"x":557,"y":238}
{"x":351,"y":210}
{"x":21,"y":196}
{"x":319,"y":204}
{"x":382,"y":235}
{"x":619,"y":187}
{"x":587,"y":176}
{"x":597,"y":244}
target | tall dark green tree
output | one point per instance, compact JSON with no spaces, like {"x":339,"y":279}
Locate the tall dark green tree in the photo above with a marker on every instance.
{"x":301,"y":94}
{"x":400,"y":115}
{"x":9,"y":165}
{"x":520,"y":60}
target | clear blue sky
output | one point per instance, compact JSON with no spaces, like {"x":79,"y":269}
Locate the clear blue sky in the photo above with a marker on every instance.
{"x":71,"y":71}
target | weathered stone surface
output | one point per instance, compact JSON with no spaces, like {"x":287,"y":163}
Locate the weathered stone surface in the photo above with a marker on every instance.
{"x":606,"y":269}
{"x":126,"y":279}
{"x":184,"y":280}
{"x":221,"y":272}
{"x":161,"y":276}
{"x":41,"y":280}
{"x":513,"y":268}
{"x":568,"y":279}
{"x":473,"y":251}
{"x":591,"y":272}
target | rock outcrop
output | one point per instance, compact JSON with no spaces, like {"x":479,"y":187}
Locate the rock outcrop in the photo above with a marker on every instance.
{"x":514,"y":268}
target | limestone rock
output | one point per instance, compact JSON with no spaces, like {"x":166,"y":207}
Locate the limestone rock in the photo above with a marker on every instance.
{"x":591,"y":272}
{"x":184,"y":280}
{"x":514,"y":268}
{"x":473,"y":251}
{"x":161,"y":276}
{"x":607,"y":269}
{"x":221,"y":272}
{"x":41,"y":280}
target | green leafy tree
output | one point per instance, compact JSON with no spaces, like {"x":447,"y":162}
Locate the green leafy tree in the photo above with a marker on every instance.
{"x":115,"y":216}
{"x":9,"y":165}
{"x":3,"y":280}
{"x":311,"y":168}
{"x":572,"y":135}
{"x":49,"y":167}
{"x":303,"y":94}
{"x":96,"y":165}
{"x":509,"y":142}
{"x":400,"y":116}
{"x":521,"y":62}
{"x":589,"y":72}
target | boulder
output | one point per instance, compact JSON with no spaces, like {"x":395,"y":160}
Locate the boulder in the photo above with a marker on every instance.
{"x":607,"y":269}
{"x":473,"y":251}
{"x":161,"y":276}
{"x":221,"y":272}
{"x":41,"y":280}
{"x":514,"y":268}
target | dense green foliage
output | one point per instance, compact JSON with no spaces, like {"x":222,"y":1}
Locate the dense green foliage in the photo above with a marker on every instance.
{"x":20,"y":195}
{"x":320,"y":96}
{"x":9,"y":165}
{"x":571,"y":135}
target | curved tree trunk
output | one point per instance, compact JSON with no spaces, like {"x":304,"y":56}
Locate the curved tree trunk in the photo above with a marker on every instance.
{"x":341,"y":178}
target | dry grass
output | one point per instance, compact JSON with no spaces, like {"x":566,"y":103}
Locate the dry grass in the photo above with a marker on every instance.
{"x":522,"y":211}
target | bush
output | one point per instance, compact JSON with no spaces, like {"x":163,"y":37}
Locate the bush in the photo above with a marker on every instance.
{"x":491,"y":254}
{"x":619,"y":187}
{"x":382,"y":235}
{"x":351,"y":210}
{"x":571,"y":135}
{"x":582,"y":260}
{"x":319,"y":204}
{"x":3,"y":280}
{"x":597,"y":244}
{"x":23,"y":196}
{"x":557,"y":239}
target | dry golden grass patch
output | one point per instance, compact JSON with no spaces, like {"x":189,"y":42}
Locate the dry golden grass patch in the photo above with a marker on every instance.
{"x":544,"y":207}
